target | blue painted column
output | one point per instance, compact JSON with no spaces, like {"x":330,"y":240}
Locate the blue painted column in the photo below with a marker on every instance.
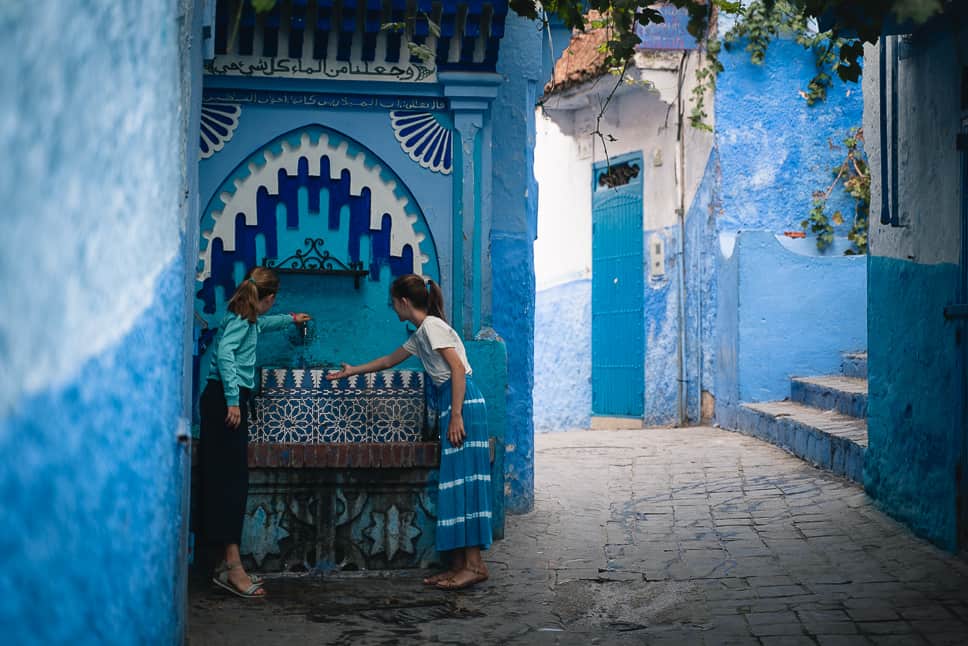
{"x":470,"y":96}
{"x":512,"y":244}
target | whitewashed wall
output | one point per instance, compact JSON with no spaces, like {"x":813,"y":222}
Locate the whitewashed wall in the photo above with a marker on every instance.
{"x":641,"y":120}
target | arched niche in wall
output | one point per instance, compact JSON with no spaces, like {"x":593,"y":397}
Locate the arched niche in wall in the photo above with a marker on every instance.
{"x":316,"y":183}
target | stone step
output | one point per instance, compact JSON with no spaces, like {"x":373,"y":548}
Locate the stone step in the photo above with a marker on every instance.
{"x":846,"y":395}
{"x":854,"y":364}
{"x":825,"y":438}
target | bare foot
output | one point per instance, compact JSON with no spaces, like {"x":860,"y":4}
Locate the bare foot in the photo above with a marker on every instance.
{"x":463,"y":579}
{"x":440,"y":576}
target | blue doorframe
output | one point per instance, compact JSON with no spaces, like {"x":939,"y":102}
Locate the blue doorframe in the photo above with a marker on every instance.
{"x":618,"y":324}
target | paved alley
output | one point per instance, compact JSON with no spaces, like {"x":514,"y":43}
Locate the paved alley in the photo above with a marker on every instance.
{"x":695,"y":536}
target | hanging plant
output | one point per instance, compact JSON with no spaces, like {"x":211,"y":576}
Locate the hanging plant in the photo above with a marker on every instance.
{"x":855,"y":177}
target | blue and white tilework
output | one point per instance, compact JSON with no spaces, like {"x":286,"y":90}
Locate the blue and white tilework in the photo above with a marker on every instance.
{"x":342,"y":419}
{"x":287,"y":419}
{"x":297,"y":405}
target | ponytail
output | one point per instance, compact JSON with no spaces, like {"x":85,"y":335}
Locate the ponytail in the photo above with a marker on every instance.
{"x":427,"y":297}
{"x":258,"y":283}
{"x":435,"y":300}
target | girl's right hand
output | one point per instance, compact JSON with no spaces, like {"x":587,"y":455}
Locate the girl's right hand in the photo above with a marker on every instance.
{"x":234,"y":418}
{"x":345,"y":371}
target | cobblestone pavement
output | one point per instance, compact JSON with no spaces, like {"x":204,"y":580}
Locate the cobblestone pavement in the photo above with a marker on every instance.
{"x":694,"y":536}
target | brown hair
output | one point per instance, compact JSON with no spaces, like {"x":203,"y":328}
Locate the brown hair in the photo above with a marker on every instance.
{"x":427,"y":297}
{"x":258,"y":283}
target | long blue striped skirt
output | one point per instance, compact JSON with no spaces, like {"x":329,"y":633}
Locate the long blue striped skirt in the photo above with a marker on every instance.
{"x":464,"y":489}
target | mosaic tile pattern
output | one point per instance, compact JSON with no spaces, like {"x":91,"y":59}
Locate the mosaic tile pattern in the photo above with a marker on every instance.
{"x":342,"y":419}
{"x":287,"y":419}
{"x":296,"y":405}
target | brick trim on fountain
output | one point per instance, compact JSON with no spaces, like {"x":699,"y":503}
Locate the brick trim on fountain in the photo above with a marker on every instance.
{"x":372,"y":455}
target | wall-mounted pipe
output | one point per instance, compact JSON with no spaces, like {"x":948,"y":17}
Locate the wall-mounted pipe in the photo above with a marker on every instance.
{"x":963,"y":302}
{"x":895,"y":134}
{"x":681,"y":394}
{"x":882,"y":131}
{"x":958,"y":313}
{"x":963,"y":285}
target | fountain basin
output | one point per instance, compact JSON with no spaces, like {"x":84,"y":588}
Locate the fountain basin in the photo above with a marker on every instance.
{"x":300,"y":406}
{"x":342,"y":474}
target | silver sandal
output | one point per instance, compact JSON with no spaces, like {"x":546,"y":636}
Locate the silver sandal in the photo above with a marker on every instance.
{"x":221,"y":579}
{"x":224,"y":567}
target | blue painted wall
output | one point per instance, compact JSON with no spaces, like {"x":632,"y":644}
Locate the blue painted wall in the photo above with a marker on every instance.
{"x":774,"y":149}
{"x":726,"y":383}
{"x":93,"y":277}
{"x":701,"y":280}
{"x":661,"y":298}
{"x":784,"y":314}
{"x":562,"y":357}
{"x":514,"y":226}
{"x":489,"y":361}
{"x":914,"y":431}
{"x":918,"y":364}
{"x":662,"y":309}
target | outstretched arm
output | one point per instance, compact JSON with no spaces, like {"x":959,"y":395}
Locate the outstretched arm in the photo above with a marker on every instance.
{"x":272,"y":322}
{"x":383,"y":363}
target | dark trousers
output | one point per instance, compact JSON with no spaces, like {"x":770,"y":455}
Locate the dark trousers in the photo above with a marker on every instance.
{"x":224,"y":468}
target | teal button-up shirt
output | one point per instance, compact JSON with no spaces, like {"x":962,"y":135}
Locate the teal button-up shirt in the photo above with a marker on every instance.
{"x":233,"y":361}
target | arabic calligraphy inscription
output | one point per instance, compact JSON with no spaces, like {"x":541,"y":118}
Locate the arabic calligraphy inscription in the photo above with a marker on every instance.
{"x":267,"y":66}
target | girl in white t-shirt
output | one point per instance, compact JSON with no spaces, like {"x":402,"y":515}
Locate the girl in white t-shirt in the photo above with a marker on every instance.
{"x":464,"y":487}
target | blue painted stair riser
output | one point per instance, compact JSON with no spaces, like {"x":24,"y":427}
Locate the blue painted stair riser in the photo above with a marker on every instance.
{"x":825,"y":398}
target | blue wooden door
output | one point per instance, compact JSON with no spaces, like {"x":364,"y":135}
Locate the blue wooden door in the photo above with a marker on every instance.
{"x":618,"y":338}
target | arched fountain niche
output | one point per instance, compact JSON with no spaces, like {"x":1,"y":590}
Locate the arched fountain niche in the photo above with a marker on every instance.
{"x":314,"y":184}
{"x":338,"y":225}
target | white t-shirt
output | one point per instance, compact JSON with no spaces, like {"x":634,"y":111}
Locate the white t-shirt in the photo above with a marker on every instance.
{"x":432,"y":335}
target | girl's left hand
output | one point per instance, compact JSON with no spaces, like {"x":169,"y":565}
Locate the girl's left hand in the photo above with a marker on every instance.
{"x":343,"y":372}
{"x":300,"y":317}
{"x":234,"y":417}
{"x":455,"y":431}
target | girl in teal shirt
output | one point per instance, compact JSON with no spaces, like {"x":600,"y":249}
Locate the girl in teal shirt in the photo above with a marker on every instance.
{"x":223,"y":443}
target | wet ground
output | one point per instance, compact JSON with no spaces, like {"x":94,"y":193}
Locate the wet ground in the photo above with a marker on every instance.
{"x":694,"y":536}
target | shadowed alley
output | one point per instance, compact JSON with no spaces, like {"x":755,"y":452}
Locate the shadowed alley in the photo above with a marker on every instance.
{"x":657,"y":536}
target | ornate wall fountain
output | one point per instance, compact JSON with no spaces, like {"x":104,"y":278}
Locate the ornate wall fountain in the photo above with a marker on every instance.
{"x":371,"y":172}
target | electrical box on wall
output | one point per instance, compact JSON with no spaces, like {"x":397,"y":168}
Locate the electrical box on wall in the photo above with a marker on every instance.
{"x":656,"y":256}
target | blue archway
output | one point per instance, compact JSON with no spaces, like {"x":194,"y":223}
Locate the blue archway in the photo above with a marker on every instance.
{"x":311,"y":182}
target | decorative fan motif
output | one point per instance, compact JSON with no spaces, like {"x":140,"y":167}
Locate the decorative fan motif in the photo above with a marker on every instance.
{"x":219,"y":121}
{"x":422,"y":136}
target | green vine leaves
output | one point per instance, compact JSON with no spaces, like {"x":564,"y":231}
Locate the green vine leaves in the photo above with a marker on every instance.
{"x":426,"y":55}
{"x":853,"y":174}
{"x":762,"y":21}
